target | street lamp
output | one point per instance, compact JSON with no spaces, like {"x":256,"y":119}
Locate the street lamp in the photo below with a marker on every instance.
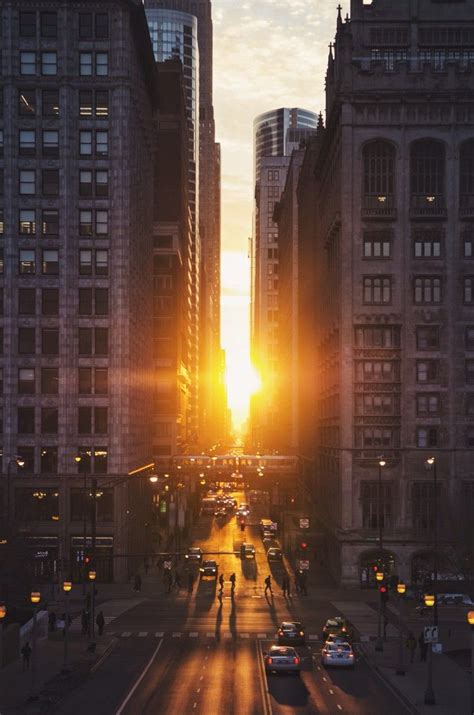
{"x":92,"y":577}
{"x":67,"y":586}
{"x":35,"y":598}
{"x":401,"y":588}
{"x":431,"y":464}
{"x":430,"y":601}
{"x":470,"y":620}
{"x":379,"y":576}
{"x":3,"y":611}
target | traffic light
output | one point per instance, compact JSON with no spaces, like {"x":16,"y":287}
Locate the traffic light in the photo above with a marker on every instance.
{"x":87,"y":559}
{"x":304,"y":546}
{"x":383,"y":590}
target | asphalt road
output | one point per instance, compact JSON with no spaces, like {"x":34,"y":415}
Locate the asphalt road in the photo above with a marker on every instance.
{"x":179,"y":653}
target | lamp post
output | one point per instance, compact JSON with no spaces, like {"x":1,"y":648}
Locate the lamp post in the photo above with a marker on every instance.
{"x":431,"y":463}
{"x":470,"y":620}
{"x":35,"y":598}
{"x":3,"y":613}
{"x":67,"y":586}
{"x":401,"y":588}
{"x":430,"y":602}
{"x":92,"y":578}
{"x":379,"y":642}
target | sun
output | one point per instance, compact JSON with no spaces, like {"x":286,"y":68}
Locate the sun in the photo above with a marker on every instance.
{"x":242,"y":382}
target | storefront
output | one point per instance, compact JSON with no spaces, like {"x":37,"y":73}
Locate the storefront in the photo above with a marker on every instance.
{"x":43,"y":554}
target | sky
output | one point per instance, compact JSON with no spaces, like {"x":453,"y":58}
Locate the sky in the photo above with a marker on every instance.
{"x":267,"y":54}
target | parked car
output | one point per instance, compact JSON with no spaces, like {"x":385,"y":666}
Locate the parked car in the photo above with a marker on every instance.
{"x":337,"y":654}
{"x":282,"y":659}
{"x":291,"y":632}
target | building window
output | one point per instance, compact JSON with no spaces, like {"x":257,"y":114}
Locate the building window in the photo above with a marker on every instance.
{"x":85,"y":301}
{"x":26,"y":341}
{"x":85,"y":103}
{"x":27,"y":261}
{"x":423,"y":505}
{"x":468,"y":286}
{"x":85,"y":222}
{"x":85,"y":26}
{"x":377,"y":244}
{"x":85,"y":64}
{"x":49,"y":63}
{"x":2,"y":265}
{"x":101,"y":380}
{"x":427,"y":289}
{"x":50,"y":301}
{"x":102,"y":142}
{"x":2,"y":145}
{"x":51,"y":143}
{"x":102,"y":222}
{"x":26,"y":420}
{"x":468,"y":246}
{"x":85,"y":143}
{"x":27,"y":142}
{"x":469,"y":404}
{"x":85,"y":341}
{"x":102,"y":64}
{"x":377,"y":404}
{"x":101,"y":341}
{"x":427,"y":404}
{"x":101,"y":25}
{"x":379,"y":174}
{"x":50,"y":182}
{"x":84,"y":420}
{"x":26,"y":102}
{"x":100,"y":460}
{"x":49,"y":460}
{"x":27,"y":182}
{"x":28,"y":456}
{"x":273,"y":175}
{"x":427,"y":243}
{"x":427,"y":337}
{"x":27,"y":222}
{"x":101,"y":420}
{"x":469,"y":337}
{"x":85,"y":182}
{"x":85,"y":381}
{"x":466,"y":177}
{"x":85,"y":262}
{"x":50,"y":341}
{"x":26,"y":380}
{"x":375,"y":503}
{"x":27,"y":24}
{"x":49,"y":380}
{"x":50,"y":222}
{"x":368,"y":336}
{"x":50,"y":102}
{"x":427,"y":371}
{"x":49,"y":420}
{"x":26,"y":301}
{"x":470,"y":372}
{"x":101,"y":103}
{"x":49,"y":24}
{"x":427,"y":168}
{"x":101,"y":300}
{"x":27,"y":63}
{"x":2,"y":222}
{"x":427,"y":437}
{"x":101,"y":182}
{"x":377,"y":290}
{"x":376,"y":437}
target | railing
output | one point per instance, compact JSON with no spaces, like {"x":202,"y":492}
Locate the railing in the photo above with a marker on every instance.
{"x":380,"y":206}
{"x":429,"y":205}
{"x":466,"y":206}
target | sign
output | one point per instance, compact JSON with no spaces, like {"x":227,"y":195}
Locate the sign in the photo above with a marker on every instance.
{"x":304,"y":564}
{"x":304,"y":523}
{"x":167,"y":565}
{"x":437,"y":648}
{"x":430,"y":634}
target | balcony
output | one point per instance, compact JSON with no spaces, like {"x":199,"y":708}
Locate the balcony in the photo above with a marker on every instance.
{"x":380,"y":206}
{"x":466,"y":206}
{"x":430,"y":206}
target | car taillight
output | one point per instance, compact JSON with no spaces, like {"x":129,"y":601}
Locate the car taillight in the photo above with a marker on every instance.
{"x":269,"y":661}
{"x":280,"y":632}
{"x":301,"y":633}
{"x":351,"y":655}
{"x":296,"y":661}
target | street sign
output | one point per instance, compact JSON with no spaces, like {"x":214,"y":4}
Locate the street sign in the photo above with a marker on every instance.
{"x":304,"y":523}
{"x":437,"y":648}
{"x":430,"y":634}
{"x":304,"y":565}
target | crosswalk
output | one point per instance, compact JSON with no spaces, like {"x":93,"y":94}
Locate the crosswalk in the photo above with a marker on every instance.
{"x":199,"y":635}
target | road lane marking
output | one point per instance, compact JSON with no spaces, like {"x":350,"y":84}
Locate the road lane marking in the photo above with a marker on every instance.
{"x":139,"y":679}
{"x":227,"y":635}
{"x":195,"y":705}
{"x":244,"y":635}
{"x":159,"y":634}
{"x":325,"y":679}
{"x":331,"y":691}
{"x":142,"y":634}
{"x":339,"y":706}
{"x":261,"y":635}
{"x":193,"y":634}
{"x":176,"y":634}
{"x":126,"y":634}
{"x":267,"y":708}
{"x":313,"y":638}
{"x":198,"y":690}
{"x":210,"y":635}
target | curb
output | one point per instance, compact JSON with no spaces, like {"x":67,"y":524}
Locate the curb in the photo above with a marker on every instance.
{"x":412,"y":709}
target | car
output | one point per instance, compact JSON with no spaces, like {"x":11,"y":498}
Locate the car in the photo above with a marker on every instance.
{"x":338,"y":625}
{"x":269,"y":535}
{"x":274,"y":554}
{"x":282,"y":659}
{"x":247,"y":551}
{"x":220,"y":513}
{"x":269,"y":543}
{"x":194,"y":554}
{"x":243,"y":509}
{"x":291,"y":632}
{"x":337,"y":654}
{"x":337,"y":638}
{"x":208,"y":570}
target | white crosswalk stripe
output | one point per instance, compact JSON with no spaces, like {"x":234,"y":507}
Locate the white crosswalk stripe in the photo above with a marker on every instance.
{"x":143,"y":634}
{"x":261,"y":635}
{"x":126,"y":634}
{"x":176,"y":634}
{"x":210,"y":635}
{"x":193,"y":635}
{"x":244,"y":635}
{"x":159,"y":634}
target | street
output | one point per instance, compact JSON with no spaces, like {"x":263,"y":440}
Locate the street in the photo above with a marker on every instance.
{"x":183,"y":653}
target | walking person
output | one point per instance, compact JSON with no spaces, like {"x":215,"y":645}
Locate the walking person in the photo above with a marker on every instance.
{"x":52,"y":621}
{"x":100,"y":620}
{"x":84,"y":622}
{"x":221,"y":582}
{"x":177,"y":580}
{"x":137,"y":583}
{"x":284,"y":586}
{"x":26,"y":654}
{"x":304,"y":583}
{"x":423,"y":647}
{"x":411,"y":646}
{"x":268,"y":585}
{"x":190,"y":582}
{"x":232,"y":583}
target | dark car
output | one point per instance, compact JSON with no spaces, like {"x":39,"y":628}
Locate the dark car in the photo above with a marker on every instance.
{"x":337,"y":626}
{"x":291,"y":632}
{"x":274,"y":554}
{"x":208,"y":570}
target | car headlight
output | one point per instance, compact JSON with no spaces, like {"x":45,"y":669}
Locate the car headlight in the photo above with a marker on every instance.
{"x":186,"y":556}
{"x":301,"y":633}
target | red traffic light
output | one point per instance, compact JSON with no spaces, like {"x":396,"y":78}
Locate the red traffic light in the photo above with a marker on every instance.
{"x":383,"y":589}
{"x":304,"y":545}
{"x":375,"y":568}
{"x":87,"y":559}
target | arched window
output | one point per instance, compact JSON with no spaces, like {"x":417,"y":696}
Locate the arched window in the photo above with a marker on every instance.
{"x":427,"y":177}
{"x":379,"y":179}
{"x":466,"y":178}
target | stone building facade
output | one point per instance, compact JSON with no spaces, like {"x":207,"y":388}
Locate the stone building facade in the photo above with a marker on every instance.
{"x":78,"y":99}
{"x":391,"y":245}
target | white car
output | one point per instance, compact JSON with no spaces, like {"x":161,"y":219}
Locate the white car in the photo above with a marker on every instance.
{"x":282,"y":659}
{"x":338,"y":655}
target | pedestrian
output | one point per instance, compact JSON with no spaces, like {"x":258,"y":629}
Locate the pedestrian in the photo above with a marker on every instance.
{"x":232,"y":583}
{"x":411,"y":645}
{"x":137,"y":583}
{"x":304,"y":583}
{"x":100,"y":620}
{"x":284,"y":585}
{"x":268,"y":585}
{"x":168,"y":580}
{"x":146,"y":566}
{"x":221,"y":582}
{"x":385,"y":625}
{"x":423,"y":647}
{"x":25,"y":654}
{"x":52,"y":621}
{"x":177,"y":580}
{"x":190,"y":582}
{"x":84,"y":622}
{"x":297,"y":582}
